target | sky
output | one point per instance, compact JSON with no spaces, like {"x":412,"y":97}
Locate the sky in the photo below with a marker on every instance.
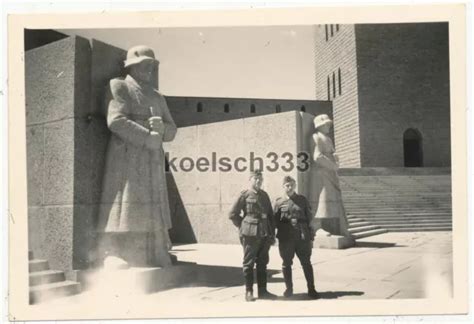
{"x":243,"y":62}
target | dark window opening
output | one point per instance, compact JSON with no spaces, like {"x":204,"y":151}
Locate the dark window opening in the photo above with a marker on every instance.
{"x":337,"y":27}
{"x":278,"y":108}
{"x":199,"y":107}
{"x":303,"y":108}
{"x":332,"y":30}
{"x":329,"y":91}
{"x":252,"y":109}
{"x":339,"y":80}
{"x":334,"y":84}
{"x":226,"y":108}
{"x":326,"y":27}
{"x":412,"y":148}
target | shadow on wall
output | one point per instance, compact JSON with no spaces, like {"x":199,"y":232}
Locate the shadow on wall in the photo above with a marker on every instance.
{"x":182,"y":231}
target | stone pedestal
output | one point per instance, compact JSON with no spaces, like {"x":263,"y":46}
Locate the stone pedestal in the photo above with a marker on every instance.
{"x":136,"y":280}
{"x":333,"y":242}
{"x":330,"y":225}
{"x":327,"y":236}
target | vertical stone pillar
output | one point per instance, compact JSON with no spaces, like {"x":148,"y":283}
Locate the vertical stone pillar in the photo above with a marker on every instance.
{"x":67,"y":139}
{"x":58,"y":101}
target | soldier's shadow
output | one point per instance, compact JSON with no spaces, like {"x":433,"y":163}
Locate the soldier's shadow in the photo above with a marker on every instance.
{"x":220,"y":276}
{"x":322,"y":295}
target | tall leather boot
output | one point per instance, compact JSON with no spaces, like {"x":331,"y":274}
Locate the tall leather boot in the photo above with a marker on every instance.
{"x":308,"y":274}
{"x":263,"y":293}
{"x":287,"y":275}
{"x":249,"y":287}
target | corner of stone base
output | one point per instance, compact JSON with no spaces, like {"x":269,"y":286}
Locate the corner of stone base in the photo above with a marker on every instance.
{"x":333,"y":242}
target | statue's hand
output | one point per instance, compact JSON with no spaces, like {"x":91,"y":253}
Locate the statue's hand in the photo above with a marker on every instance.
{"x":156,"y":124}
{"x":154,"y":141}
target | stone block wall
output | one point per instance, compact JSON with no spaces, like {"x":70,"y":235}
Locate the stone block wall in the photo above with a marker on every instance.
{"x":57,"y":103}
{"x":200,"y":201}
{"x":185,"y":109}
{"x":336,"y":62}
{"x":67,"y":140}
{"x":403,"y":83}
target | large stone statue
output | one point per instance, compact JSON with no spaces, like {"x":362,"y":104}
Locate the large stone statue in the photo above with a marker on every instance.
{"x":134,"y":215}
{"x":330,"y":213}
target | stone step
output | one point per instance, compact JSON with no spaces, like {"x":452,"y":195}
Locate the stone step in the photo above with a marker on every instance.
{"x":369,"y":233}
{"x":389,"y":207}
{"x":363,"y":229}
{"x":367,"y":217}
{"x":399,"y":202}
{"x":54,"y":290}
{"x":407,"y":209}
{"x":401,"y":192}
{"x":416,"y":226}
{"x":407,"y":221}
{"x":358,"y":223}
{"x":395,"y":186}
{"x":390,"y":193}
{"x":382,"y":210}
{"x":38,"y":265}
{"x":380,"y":221}
{"x":424,"y":229}
{"x":395,"y":213}
{"x":384,"y":205}
{"x":394,"y":172}
{"x":45,"y":277}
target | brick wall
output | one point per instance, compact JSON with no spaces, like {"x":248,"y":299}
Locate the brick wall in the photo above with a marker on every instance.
{"x":403,"y":83}
{"x":338,"y":53}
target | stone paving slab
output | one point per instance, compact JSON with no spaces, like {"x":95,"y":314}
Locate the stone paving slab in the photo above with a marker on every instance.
{"x":387,"y":266}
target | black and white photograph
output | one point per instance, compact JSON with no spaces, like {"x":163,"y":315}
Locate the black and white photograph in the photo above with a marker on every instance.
{"x":247,"y":170}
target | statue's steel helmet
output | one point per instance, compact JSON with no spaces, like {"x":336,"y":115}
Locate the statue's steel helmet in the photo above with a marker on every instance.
{"x":139,"y":54}
{"x":321,"y":120}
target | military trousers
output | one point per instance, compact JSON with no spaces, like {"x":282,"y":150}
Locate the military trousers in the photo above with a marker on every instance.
{"x":255,"y":252}
{"x":289,"y":247}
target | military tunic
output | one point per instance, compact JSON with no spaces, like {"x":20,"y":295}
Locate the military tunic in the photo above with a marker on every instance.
{"x":252,"y":213}
{"x":293,"y":218}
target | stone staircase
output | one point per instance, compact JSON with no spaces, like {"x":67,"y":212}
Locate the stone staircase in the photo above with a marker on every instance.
{"x":46,"y":284}
{"x":398,"y":200}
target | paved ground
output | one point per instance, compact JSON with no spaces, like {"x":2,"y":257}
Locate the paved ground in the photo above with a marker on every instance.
{"x":387,"y":266}
{"x":392,"y":265}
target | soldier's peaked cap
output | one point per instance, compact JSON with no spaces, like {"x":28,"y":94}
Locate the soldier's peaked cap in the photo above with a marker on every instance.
{"x":255,"y":173}
{"x":287,"y":179}
{"x":139,"y":54}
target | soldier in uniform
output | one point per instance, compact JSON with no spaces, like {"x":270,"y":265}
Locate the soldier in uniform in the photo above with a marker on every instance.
{"x":295,"y":232}
{"x":252,"y":213}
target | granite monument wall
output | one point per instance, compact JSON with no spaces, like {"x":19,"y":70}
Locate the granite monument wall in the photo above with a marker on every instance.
{"x":67,"y":139}
{"x":200,"y":200}
{"x":60,"y":214}
{"x":189,"y":111}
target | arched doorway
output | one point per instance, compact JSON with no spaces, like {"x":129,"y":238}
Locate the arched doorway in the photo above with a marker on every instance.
{"x":412,"y":148}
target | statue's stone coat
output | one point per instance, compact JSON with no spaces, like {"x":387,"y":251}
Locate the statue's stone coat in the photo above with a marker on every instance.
{"x":134,"y":193}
